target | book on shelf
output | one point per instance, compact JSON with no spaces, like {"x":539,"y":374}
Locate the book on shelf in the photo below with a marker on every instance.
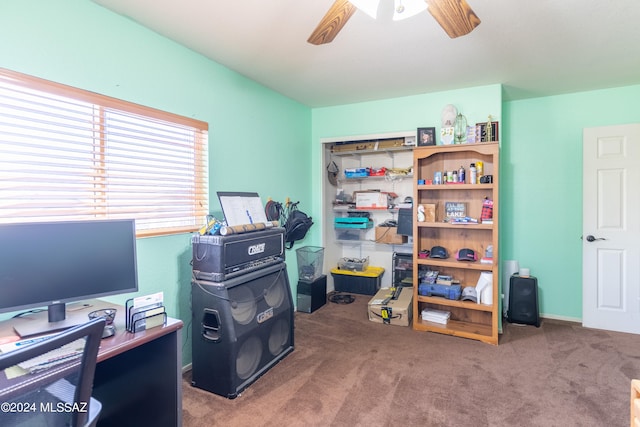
{"x":486,"y":260}
{"x":444,"y":280}
{"x":447,"y":282}
{"x":436,"y":316}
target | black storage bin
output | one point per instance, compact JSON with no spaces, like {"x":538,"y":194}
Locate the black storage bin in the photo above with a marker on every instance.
{"x":358,"y":282}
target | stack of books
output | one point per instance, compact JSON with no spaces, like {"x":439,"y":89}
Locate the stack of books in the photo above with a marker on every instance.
{"x":444,"y":280}
{"x":436,"y":316}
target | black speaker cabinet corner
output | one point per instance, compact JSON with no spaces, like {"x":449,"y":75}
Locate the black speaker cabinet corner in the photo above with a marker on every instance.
{"x":242,"y":327}
{"x":523,"y":301}
{"x":311,"y":295}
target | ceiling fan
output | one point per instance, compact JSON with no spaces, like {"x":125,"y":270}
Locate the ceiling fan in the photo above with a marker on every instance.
{"x":454,"y":16}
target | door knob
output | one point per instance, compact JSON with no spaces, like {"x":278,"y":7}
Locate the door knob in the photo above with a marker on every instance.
{"x":590,"y":238}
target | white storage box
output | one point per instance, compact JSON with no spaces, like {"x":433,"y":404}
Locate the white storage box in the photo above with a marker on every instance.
{"x":373,"y":200}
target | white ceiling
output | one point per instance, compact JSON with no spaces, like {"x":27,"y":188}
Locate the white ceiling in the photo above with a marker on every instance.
{"x":532,"y":47}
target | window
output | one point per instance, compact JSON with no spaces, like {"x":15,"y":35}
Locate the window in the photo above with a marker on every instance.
{"x":69,"y":154}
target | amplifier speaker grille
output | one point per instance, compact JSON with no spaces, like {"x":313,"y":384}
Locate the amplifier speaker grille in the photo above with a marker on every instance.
{"x":523,"y":301}
{"x":242,"y":327}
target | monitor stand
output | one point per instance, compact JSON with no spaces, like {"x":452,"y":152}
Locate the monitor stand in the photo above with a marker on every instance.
{"x":56,"y":312}
{"x":42,"y":328}
{"x":56,"y":321}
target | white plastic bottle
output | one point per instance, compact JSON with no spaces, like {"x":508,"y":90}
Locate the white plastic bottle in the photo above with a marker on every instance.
{"x":472,"y":173}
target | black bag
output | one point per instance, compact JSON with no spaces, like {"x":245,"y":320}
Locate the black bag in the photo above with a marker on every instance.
{"x":296,"y":227}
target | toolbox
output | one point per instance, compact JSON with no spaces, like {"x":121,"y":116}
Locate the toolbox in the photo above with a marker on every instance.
{"x":452,"y":292}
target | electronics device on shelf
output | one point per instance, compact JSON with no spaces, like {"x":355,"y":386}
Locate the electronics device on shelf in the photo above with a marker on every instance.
{"x":49,"y":264}
{"x":219,"y":258}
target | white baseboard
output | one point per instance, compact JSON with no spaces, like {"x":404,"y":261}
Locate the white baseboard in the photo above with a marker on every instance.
{"x":547,"y":316}
{"x":565,"y":318}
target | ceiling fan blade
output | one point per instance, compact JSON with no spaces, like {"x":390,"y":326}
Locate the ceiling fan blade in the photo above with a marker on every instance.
{"x":332,"y":22}
{"x":455,"y":16}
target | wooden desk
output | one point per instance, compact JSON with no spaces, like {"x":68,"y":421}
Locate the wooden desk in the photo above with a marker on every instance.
{"x":138,"y":377}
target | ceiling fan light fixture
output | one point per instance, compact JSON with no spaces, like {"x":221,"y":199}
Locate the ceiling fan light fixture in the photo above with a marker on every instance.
{"x":403,"y":9}
{"x":454,"y":16}
{"x":370,"y":7}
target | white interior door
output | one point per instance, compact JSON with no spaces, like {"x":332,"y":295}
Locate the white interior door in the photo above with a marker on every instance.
{"x":611,"y":228}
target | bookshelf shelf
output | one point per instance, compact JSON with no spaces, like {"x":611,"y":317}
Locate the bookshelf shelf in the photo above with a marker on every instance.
{"x":467,"y":319}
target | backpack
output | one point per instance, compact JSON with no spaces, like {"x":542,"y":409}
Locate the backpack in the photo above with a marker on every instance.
{"x":296,"y":227}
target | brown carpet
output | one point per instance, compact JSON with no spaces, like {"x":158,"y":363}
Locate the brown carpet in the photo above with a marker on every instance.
{"x":348,"y":371}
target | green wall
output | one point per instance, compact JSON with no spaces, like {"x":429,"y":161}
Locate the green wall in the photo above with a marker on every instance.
{"x":258,"y":139}
{"x":541,"y":187}
{"x":395,"y":115}
{"x":541,"y":169}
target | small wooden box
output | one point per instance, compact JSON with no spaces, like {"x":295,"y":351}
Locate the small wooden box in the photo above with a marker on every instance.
{"x":390,"y":236}
{"x":429,"y":212}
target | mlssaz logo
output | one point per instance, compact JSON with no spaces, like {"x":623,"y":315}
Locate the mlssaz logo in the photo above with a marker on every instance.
{"x":256,"y":249}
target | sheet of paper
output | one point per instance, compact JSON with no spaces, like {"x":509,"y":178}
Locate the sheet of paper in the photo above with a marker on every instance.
{"x":240,"y":210}
{"x":146,"y":300}
{"x":14,"y":345}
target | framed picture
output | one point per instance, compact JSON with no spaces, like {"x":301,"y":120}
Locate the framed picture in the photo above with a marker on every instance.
{"x":481,"y":132}
{"x":455,"y":210}
{"x":426,"y":136}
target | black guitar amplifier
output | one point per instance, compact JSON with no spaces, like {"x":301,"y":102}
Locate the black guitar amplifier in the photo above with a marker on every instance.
{"x":219,"y":258}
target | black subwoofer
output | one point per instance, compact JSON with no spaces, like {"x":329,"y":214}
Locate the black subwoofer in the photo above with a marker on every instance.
{"x":523,"y":300}
{"x":241,"y":328}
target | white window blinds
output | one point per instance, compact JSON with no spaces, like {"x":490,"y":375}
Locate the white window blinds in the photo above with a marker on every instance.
{"x":69,"y":154}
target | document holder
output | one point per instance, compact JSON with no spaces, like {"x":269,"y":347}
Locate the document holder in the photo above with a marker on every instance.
{"x":146,"y":317}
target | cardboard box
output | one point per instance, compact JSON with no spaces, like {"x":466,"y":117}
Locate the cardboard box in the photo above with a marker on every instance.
{"x":389,"y":235}
{"x":373,"y":199}
{"x":399,"y":311}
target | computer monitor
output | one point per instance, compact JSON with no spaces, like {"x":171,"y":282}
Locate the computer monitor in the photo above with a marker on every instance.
{"x":48,"y":264}
{"x":405,"y":221}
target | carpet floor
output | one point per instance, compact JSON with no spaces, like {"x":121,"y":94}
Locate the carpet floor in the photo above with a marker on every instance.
{"x":348,"y":371}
